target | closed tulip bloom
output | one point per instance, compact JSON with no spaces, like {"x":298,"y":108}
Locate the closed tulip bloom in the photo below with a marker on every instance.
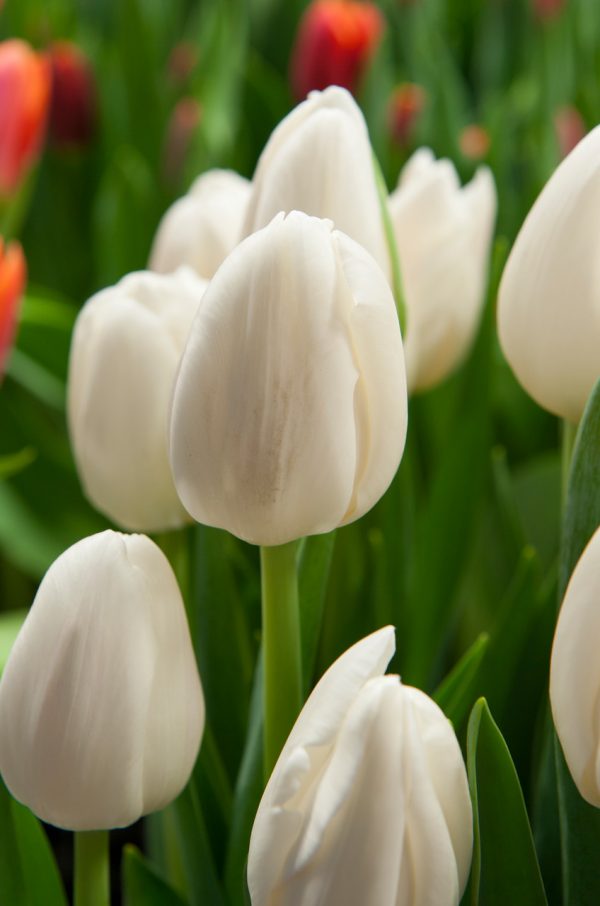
{"x":13,"y":272}
{"x":443,"y":233}
{"x":335,"y":42}
{"x":24,"y":98}
{"x":101,"y":708}
{"x":125,"y":351}
{"x":548,"y":318}
{"x":289,"y":410}
{"x":73,"y":107}
{"x":319,"y":160}
{"x":368,"y":802}
{"x":200,"y":229}
{"x":575,"y":674}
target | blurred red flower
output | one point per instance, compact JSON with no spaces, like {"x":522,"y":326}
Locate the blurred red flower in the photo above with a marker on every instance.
{"x":335,"y":41}
{"x":73,"y":105}
{"x":404,"y":108}
{"x":548,"y":9}
{"x":13,"y":274}
{"x":474,"y":142}
{"x":24,"y":96}
{"x":569,"y":128}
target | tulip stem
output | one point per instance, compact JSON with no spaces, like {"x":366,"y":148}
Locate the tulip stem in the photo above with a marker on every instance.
{"x":388,"y":227}
{"x":282,"y":685}
{"x":569,"y":433}
{"x":92,"y":869}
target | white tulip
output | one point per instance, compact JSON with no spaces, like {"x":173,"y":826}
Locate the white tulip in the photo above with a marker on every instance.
{"x":200,"y":229}
{"x":575,"y":673}
{"x":289,"y":410}
{"x":101,"y":708}
{"x":443,"y":234}
{"x":368,"y":802}
{"x":125,"y":351}
{"x":319,"y":160}
{"x":548,"y":312}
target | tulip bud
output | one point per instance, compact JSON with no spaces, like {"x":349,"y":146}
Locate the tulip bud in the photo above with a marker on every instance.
{"x":569,"y":128}
{"x":474,"y":142}
{"x":319,"y":160}
{"x":200,"y":229}
{"x":73,"y":107}
{"x":182,"y":126}
{"x":404,"y":108}
{"x":335,"y":42}
{"x":368,"y":802}
{"x":101,"y":708}
{"x":547,"y":304}
{"x":575,"y":674}
{"x":125,"y":351}
{"x":24,"y":96}
{"x":289,"y":410}
{"x":443,"y":233}
{"x":13,"y":274}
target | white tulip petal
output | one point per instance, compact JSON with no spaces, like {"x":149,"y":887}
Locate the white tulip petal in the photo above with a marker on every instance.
{"x":381,"y":400}
{"x":359,"y":808}
{"x":548,"y":308}
{"x":201,"y":229}
{"x":443,"y":233}
{"x":102,"y":670}
{"x":125,"y":353}
{"x":319,"y":160}
{"x":278,"y":823}
{"x":264,"y":423}
{"x":575,"y":673}
{"x":446,"y":770}
{"x":429,"y":875}
{"x":360,"y":787}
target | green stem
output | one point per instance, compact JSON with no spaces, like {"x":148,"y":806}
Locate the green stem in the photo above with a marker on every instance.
{"x":282,"y":688}
{"x":92,"y":869}
{"x":390,"y":238}
{"x":569,"y":433}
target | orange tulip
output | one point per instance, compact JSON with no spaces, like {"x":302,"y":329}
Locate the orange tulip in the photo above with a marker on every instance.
{"x":546,"y":10}
{"x":24,"y":96}
{"x":13,"y":274}
{"x":73,"y":105}
{"x":335,"y":41}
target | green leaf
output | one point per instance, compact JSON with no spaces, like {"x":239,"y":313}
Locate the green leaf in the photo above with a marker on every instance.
{"x":505,"y":868}
{"x":313,"y":573}
{"x":10,"y":626}
{"x":579,"y":821}
{"x":201,"y":876}
{"x":28,"y":541}
{"x":142,"y":884}
{"x":28,"y":873}
{"x":582,"y":505}
{"x":456,"y":693}
{"x":248,"y":790}
{"x":16,"y":462}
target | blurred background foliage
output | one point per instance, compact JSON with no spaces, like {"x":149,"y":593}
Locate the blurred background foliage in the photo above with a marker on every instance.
{"x":466,"y":540}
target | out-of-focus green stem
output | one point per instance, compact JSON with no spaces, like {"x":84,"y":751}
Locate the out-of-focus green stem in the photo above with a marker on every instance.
{"x":391,"y":244}
{"x":569,"y":433}
{"x":92,"y":869}
{"x":282,"y":689}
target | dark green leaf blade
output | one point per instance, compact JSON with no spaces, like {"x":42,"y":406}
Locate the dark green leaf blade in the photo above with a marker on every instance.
{"x":579,"y":821}
{"x":142,"y":885}
{"x":505,"y":868}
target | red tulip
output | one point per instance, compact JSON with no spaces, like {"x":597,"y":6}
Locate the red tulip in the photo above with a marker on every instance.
{"x":24,"y":94}
{"x":404,"y":108}
{"x":13,"y":274}
{"x":335,"y":41}
{"x":73,"y":107}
